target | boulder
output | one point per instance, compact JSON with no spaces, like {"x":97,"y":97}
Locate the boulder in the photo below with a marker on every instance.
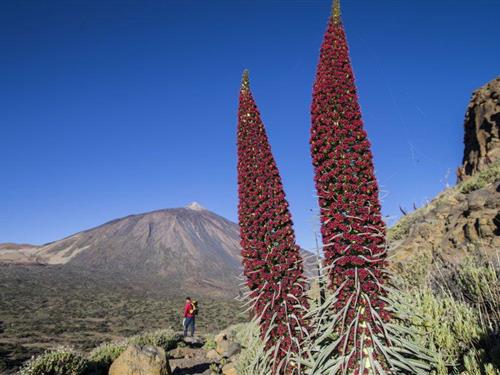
{"x":137,"y":360}
{"x":226,"y":344}
{"x":194,"y":341}
{"x":223,"y":346}
{"x":221,"y":337}
{"x":232,"y":349}
{"x":482,"y":130}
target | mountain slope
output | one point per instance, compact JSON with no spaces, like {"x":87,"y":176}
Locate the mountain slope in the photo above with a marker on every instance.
{"x":185,"y":250}
{"x":188,"y":247}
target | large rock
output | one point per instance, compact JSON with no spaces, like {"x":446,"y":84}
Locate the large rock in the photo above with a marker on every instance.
{"x":450,"y":228}
{"x":482,"y":134}
{"x":227,"y":346}
{"x":196,"y":341}
{"x":136,"y":360}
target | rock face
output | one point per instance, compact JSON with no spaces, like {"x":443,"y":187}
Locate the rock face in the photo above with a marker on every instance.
{"x":482,"y":134}
{"x":452,"y":226}
{"x":136,"y":360}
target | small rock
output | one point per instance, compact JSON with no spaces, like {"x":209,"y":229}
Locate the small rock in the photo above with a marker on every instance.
{"x":213,"y":355}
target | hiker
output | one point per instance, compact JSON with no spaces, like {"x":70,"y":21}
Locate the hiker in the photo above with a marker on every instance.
{"x":190,"y":311}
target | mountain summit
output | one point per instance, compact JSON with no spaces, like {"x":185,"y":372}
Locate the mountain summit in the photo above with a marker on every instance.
{"x":195,"y":206}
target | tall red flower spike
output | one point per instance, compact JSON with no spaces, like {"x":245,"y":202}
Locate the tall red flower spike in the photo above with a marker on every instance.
{"x":352,"y":228}
{"x":272,"y":262}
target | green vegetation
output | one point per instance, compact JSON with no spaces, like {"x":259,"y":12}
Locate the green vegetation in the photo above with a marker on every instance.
{"x":103,"y":356}
{"x":253,"y":350}
{"x":210,"y":342}
{"x":454,"y":313}
{"x":61,"y":361}
{"x":163,"y":338}
{"x":446,"y":326}
{"x":481,"y":179}
{"x":399,"y":230}
{"x":457,"y":315}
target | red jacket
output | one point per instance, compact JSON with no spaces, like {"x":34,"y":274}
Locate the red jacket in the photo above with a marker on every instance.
{"x":188,"y":310}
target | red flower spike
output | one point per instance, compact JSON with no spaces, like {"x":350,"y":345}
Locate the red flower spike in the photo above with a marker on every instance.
{"x":271,"y":259}
{"x":352,"y":229}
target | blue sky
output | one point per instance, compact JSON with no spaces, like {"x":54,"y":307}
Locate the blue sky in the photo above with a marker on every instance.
{"x":110,"y":108}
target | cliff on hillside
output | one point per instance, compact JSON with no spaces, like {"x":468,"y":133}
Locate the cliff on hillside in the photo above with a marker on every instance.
{"x":482,"y":134}
{"x":463,"y":220}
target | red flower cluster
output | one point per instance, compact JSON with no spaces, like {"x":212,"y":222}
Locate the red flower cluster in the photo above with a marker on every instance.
{"x":271,"y":259}
{"x":352,"y":228}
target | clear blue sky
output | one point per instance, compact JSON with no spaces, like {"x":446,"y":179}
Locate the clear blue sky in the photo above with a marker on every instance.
{"x":110,"y":108}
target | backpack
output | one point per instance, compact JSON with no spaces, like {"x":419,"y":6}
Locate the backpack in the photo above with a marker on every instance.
{"x":195,"y":309}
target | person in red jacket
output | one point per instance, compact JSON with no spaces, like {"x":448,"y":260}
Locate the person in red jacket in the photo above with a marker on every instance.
{"x":189,"y":317}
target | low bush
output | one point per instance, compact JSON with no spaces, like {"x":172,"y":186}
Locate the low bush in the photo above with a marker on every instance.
{"x":481,"y":179}
{"x":103,"y":356}
{"x":400,"y":230}
{"x":210,"y":343}
{"x":163,"y":338}
{"x":252,"y":357}
{"x":447,"y":328}
{"x":457,"y":316}
{"x":480,"y":287}
{"x":60,"y":361}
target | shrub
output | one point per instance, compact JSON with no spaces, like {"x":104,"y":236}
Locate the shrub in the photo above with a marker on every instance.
{"x":103,"y":356}
{"x":480,"y":287}
{"x":60,"y":361}
{"x":447,"y":327}
{"x":163,"y":338}
{"x":458,"y":318}
{"x":481,"y":179}
{"x":253,"y":352}
{"x":210,"y":343}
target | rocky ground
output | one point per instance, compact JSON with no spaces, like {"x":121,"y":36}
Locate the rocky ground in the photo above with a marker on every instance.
{"x":460,"y":222}
{"x":191,"y":356}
